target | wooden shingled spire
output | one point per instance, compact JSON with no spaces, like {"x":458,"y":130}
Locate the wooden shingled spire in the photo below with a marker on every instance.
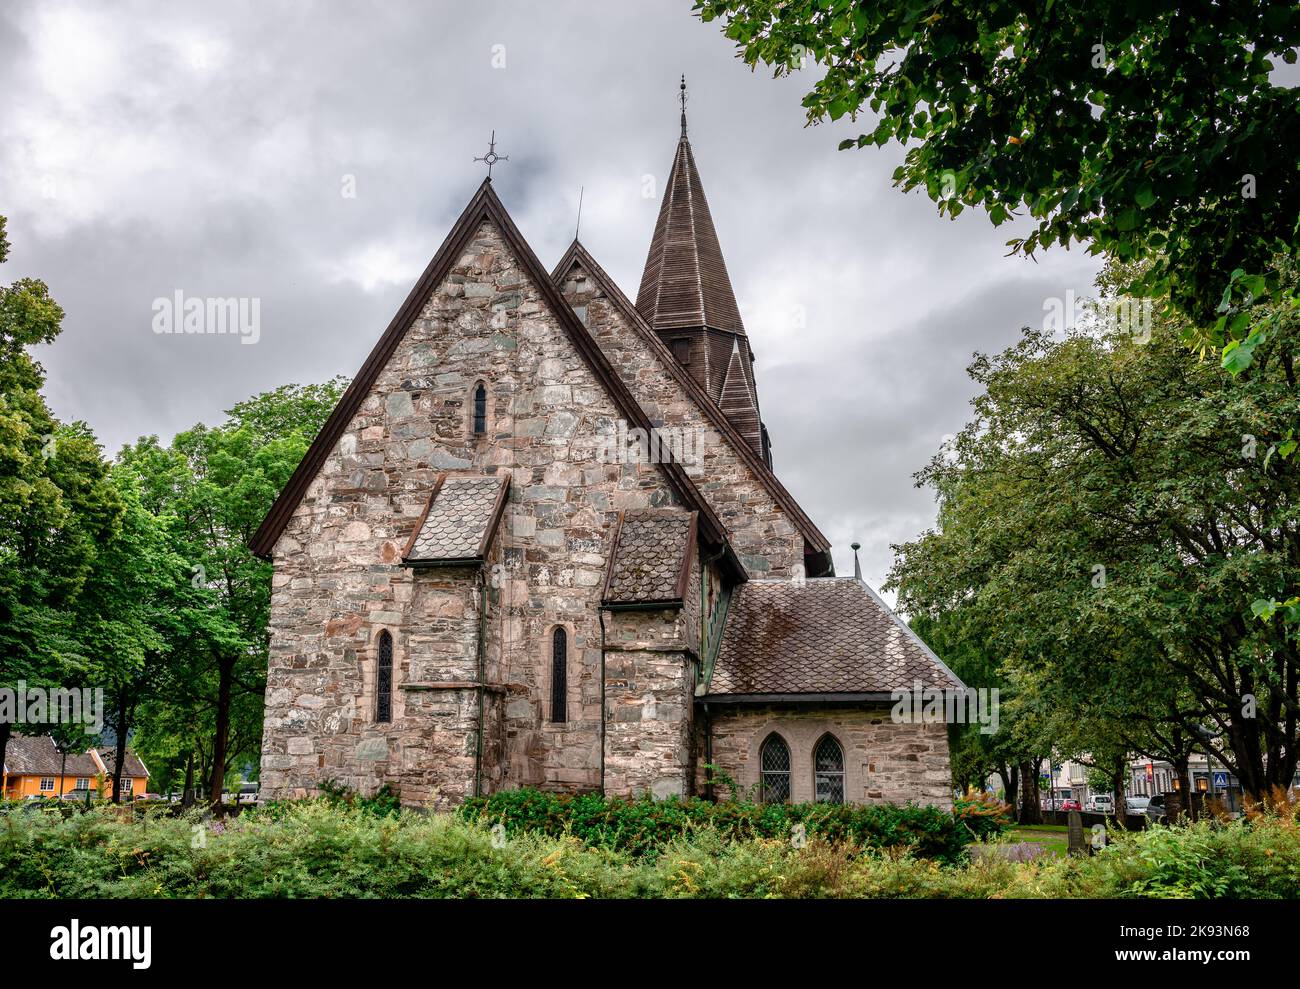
{"x":686,"y":295}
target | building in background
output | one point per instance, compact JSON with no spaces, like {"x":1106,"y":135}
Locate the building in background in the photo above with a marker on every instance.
{"x":34,"y":767}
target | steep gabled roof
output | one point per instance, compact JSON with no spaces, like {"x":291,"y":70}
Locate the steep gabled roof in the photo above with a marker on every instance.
{"x":459,"y":519}
{"x":579,"y":255}
{"x":826,"y":636}
{"x":685,"y":282}
{"x":484,"y":206}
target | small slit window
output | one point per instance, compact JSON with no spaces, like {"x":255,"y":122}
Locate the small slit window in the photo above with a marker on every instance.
{"x":828,"y":769}
{"x":682,"y":350}
{"x":384,"y":680}
{"x":480,"y":409}
{"x":559,"y":676}
{"x":774,"y":767}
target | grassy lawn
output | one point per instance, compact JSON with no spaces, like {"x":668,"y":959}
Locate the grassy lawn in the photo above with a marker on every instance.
{"x":1053,"y":837}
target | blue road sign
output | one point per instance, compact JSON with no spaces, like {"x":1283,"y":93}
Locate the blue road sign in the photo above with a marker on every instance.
{"x":1220,"y":779}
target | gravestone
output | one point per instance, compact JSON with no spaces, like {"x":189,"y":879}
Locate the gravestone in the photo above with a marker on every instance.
{"x":1077,"y":846}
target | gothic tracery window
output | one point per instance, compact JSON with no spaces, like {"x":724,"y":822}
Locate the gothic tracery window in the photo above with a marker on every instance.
{"x":828,"y":771}
{"x":384,"y":679}
{"x":559,"y":676}
{"x":774,"y":770}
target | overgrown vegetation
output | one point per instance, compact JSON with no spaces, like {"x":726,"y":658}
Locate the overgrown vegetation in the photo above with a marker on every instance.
{"x":645,"y":827}
{"x":333,"y":848}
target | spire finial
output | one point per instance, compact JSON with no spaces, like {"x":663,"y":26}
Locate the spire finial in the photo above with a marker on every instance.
{"x":491,"y":158}
{"x":682,"y":98}
{"x":857,"y":567}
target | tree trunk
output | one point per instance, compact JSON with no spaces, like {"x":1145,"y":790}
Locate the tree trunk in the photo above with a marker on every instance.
{"x":1031,"y":811}
{"x":1117,"y":779}
{"x":187,"y":793}
{"x":1010,"y":783}
{"x":1184,"y":778}
{"x":226,"y":672}
{"x":120,"y":727}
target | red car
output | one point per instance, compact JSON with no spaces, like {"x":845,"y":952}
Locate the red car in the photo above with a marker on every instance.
{"x":1069,"y":805}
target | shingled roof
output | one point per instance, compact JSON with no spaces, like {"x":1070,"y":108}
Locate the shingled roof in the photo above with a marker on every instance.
{"x":830,"y":635}
{"x":652,"y":557}
{"x":685,"y":282}
{"x":28,"y":755}
{"x":459,"y":520}
{"x":134,"y":764}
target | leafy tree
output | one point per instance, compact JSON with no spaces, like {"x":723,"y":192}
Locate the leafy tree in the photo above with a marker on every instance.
{"x":1108,"y":514}
{"x":212,"y":487}
{"x":57,"y":506}
{"x":1017,"y":748}
{"x":1150,"y":131}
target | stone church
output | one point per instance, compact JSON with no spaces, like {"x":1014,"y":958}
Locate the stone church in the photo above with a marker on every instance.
{"x":540,"y":542}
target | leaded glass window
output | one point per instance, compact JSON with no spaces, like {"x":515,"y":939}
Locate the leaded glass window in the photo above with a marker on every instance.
{"x":828,"y":769}
{"x":384,"y":680}
{"x":480,"y":409}
{"x":774,"y":767}
{"x":559,"y":675}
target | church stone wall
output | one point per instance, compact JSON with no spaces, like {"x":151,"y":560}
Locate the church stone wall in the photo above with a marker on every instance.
{"x":339,"y":580}
{"x":763,"y":536}
{"x":884,"y":762}
{"x":651,"y":661}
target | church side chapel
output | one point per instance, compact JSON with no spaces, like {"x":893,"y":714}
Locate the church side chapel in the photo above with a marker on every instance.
{"x":475,"y":588}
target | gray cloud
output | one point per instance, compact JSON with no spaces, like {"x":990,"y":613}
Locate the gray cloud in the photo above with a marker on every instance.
{"x":145,"y":149}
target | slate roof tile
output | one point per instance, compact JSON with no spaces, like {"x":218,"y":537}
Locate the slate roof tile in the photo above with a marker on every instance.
{"x":459,"y":521}
{"x":651,"y":556}
{"x":821,"y":635}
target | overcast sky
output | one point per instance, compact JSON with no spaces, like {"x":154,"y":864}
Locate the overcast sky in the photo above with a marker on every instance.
{"x":146,"y":148}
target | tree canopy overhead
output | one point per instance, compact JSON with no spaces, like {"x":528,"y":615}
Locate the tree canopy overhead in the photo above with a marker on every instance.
{"x":1151,"y":130}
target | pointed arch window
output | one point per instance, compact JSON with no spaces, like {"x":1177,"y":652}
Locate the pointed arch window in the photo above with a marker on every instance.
{"x":774,"y":770}
{"x":828,"y":771}
{"x":559,"y":676}
{"x":480,"y":409}
{"x":384,"y":679}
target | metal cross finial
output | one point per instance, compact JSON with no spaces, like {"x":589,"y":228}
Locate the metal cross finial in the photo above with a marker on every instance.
{"x":492,"y":157}
{"x":682,"y":98}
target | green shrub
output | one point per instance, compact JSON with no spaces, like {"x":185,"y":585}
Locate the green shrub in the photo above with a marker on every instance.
{"x":336,"y":848}
{"x":645,"y":826}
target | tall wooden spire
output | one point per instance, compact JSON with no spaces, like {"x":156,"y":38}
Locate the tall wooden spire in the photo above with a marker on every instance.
{"x":686,"y":295}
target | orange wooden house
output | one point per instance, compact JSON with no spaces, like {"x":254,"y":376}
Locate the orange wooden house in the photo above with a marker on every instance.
{"x":34,"y":767}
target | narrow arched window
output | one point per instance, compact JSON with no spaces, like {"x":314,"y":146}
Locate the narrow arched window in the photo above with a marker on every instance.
{"x":774,"y":770}
{"x":480,"y":409}
{"x":828,"y":771}
{"x":559,"y":675}
{"x":384,"y":679}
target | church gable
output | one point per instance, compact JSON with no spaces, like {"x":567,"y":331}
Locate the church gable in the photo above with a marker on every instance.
{"x":483,"y":232}
{"x":770,"y":531}
{"x":486,"y":382}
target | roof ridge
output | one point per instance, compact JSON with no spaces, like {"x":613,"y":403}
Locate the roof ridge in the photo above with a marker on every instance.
{"x":577,"y":252}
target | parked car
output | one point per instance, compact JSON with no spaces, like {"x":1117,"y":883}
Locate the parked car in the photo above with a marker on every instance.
{"x":1102,"y":803}
{"x":248,"y":793}
{"x":1136,"y":805}
{"x":1156,"y":809}
{"x":1070,"y":804}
